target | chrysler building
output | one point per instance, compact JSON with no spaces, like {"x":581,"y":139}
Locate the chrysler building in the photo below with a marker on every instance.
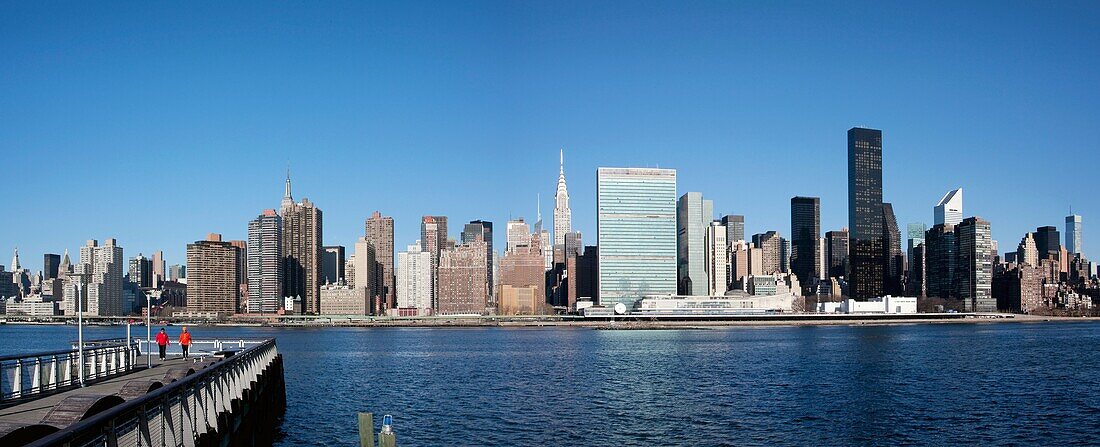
{"x":563,"y":220}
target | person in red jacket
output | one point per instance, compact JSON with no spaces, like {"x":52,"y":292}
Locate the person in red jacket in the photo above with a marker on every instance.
{"x":162,"y":342}
{"x":185,"y":341}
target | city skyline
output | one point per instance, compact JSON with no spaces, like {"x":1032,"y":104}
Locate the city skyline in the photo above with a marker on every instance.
{"x":209,"y":154}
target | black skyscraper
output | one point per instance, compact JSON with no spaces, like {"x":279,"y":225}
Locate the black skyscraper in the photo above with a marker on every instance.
{"x":332,"y":264}
{"x":836,"y":246}
{"x":735,"y":228}
{"x":867,"y":243}
{"x":1047,"y":242}
{"x":895,"y":258}
{"x":805,"y":234}
{"x":51,"y":263}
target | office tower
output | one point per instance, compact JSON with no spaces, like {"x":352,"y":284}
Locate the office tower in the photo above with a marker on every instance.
{"x":517,"y":234}
{"x":1048,"y":242}
{"x":431,"y":242}
{"x":158,"y":268}
{"x":918,"y":271}
{"x":51,"y":263}
{"x":484,"y":230}
{"x":302,"y":236}
{"x":380,"y":234}
{"x":1073,"y":234}
{"x":940,"y":257}
{"x":104,"y":287}
{"x":975,"y":265}
{"x":573,"y":244}
{"x":867,"y":244}
{"x":715,"y":258}
{"x":635,"y":233}
{"x":693,"y":215}
{"x":895,"y":258}
{"x":836,"y":242}
{"x":212,"y":286}
{"x":805,"y":235}
{"x":140,"y":271}
{"x":332,"y":264}
{"x":738,"y":262}
{"x":177,"y":272}
{"x":265,"y":263}
{"x":915,"y":233}
{"x":463,"y":284}
{"x":949,"y":210}
{"x":563,"y":217}
{"x":366,"y":269}
{"x":822,"y":261}
{"x":1027,"y":252}
{"x":414,"y":281}
{"x":771,"y":251}
{"x":523,"y":267}
{"x":242,"y":274}
{"x":735,"y":227}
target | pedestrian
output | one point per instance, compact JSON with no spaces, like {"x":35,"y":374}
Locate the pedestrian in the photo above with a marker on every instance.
{"x":162,"y":342}
{"x":185,"y":341}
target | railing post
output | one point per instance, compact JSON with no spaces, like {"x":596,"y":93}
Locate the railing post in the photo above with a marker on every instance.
{"x":17,"y":379}
{"x":36,"y":375}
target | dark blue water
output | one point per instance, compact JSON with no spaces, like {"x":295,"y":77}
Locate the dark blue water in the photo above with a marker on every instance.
{"x":952,"y":384}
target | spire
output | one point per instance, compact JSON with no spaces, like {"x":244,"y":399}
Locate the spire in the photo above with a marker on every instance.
{"x":15,"y":261}
{"x":288,"y":200}
{"x":66,"y":265}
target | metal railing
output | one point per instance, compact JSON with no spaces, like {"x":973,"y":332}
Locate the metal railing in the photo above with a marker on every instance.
{"x":33,"y":375}
{"x":202,"y":348}
{"x":176,"y":414}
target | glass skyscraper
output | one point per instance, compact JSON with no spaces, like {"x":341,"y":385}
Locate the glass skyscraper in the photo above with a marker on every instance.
{"x":1073,"y":234}
{"x":636,"y":233}
{"x":867,"y":242}
{"x":693,"y":215}
{"x":805,"y":235}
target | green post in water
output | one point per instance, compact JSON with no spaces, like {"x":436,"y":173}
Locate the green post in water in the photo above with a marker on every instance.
{"x":366,"y":430}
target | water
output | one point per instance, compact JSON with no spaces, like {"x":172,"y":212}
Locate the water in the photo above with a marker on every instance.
{"x":960,"y":384}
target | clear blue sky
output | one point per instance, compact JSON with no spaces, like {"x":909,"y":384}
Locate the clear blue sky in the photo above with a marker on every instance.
{"x":158,"y":122}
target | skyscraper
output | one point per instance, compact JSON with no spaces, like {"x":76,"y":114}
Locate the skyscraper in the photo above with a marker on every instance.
{"x":212,"y":286}
{"x":895,"y":258}
{"x":735,"y":228}
{"x":332,"y":264}
{"x":805,"y":233}
{"x":265,"y":263}
{"x":1028,"y":253}
{"x":140,"y":271}
{"x":940,"y":258}
{"x":836,"y":242}
{"x":867,"y":243}
{"x":1073,"y":234}
{"x":716,"y":258}
{"x":158,"y":268}
{"x":635,"y":233}
{"x":414,"y":281}
{"x":693,"y":216}
{"x":463,"y":284}
{"x":302,"y":236}
{"x":949,"y":210}
{"x":975,"y":265}
{"x":1048,"y":242}
{"x":51,"y":263}
{"x":379,"y":231}
{"x":771,"y":252}
{"x":523,"y":267}
{"x":563,"y":217}
{"x":366,"y":270}
{"x":517,"y":234}
{"x":431,"y":242}
{"x":915,"y":233}
{"x":480,"y":229}
{"x":104,"y":288}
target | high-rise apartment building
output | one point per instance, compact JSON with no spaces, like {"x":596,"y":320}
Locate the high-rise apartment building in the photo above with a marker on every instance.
{"x":433,"y":236}
{"x":176,"y":272}
{"x":949,"y":210}
{"x":158,"y":268}
{"x":463,"y":287}
{"x":1073,"y":234}
{"x":302,"y":242}
{"x":523,"y":267}
{"x":265,"y":263}
{"x":867,"y":243}
{"x":517,"y":233}
{"x":105,"y":264}
{"x":379,"y":231}
{"x":480,"y":229}
{"x":1027,"y":252}
{"x":716,"y":258}
{"x":895,"y":258}
{"x":414,"y":281}
{"x":805,"y":235}
{"x":636,"y":233}
{"x":975,"y":265}
{"x":332,"y":264}
{"x":212,"y":286}
{"x":739,"y":263}
{"x":366,"y":269}
{"x":836,"y":243}
{"x":563,"y":217}
{"x":735,"y":228}
{"x":940,"y":259}
{"x":771,"y":251}
{"x":140,"y":271}
{"x":693,"y":216}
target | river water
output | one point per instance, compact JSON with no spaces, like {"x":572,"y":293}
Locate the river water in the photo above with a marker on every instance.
{"x":934,"y":384}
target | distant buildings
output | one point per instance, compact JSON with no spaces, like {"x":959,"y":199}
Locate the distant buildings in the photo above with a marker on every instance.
{"x":483,"y":230}
{"x":735,"y":227}
{"x":103,"y":266}
{"x":867,"y":243}
{"x":636,"y":233}
{"x":716,"y":258}
{"x":265,"y":264}
{"x":836,"y":244}
{"x":523,"y":267}
{"x":975,"y":262}
{"x":949,"y":210}
{"x":563,"y":216}
{"x":895,"y":258}
{"x":212,"y":288}
{"x":463,"y":283}
{"x":805,"y":233}
{"x":414,"y":281}
{"x":50,"y":265}
{"x":1073,"y":234}
{"x":332,"y":264}
{"x":379,"y":232}
{"x":771,"y":252}
{"x":342,"y":299}
{"x":140,"y":271}
{"x":367,"y":271}
{"x":940,"y":259}
{"x":693,"y":215}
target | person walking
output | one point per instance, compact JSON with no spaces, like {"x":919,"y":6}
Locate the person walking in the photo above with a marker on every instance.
{"x":162,"y":342}
{"x":185,"y":341}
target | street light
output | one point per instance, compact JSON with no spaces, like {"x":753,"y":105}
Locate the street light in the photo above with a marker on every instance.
{"x":80,"y":289}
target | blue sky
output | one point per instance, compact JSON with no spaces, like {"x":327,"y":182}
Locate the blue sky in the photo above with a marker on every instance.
{"x":158,"y":122}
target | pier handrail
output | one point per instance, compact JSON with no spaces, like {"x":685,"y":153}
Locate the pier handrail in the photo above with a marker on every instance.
{"x":190,"y":404}
{"x":25,"y":376}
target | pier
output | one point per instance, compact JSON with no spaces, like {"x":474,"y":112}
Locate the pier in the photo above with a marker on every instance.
{"x":221,"y":395}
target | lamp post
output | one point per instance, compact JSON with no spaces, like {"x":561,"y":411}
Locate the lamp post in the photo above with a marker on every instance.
{"x":149,"y":331}
{"x":80,"y":291}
